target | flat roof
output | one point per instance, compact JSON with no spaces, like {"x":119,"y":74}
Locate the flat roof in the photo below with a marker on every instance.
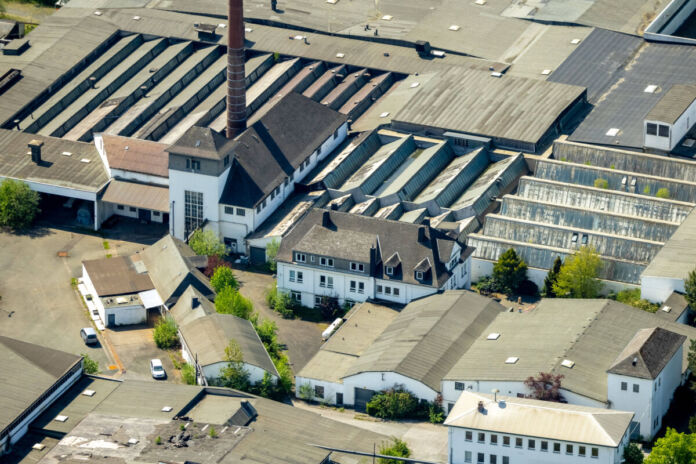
{"x":678,"y":256}
{"x":143,"y":196}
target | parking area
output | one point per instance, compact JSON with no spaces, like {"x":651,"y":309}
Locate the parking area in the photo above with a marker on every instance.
{"x":39,"y":304}
{"x":302,"y":338}
{"x":134,"y":347}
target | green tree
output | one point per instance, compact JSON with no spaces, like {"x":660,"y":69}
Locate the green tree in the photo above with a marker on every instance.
{"x":395,"y":403}
{"x":222,"y":278}
{"x":692,"y":424}
{"x":601,"y":183}
{"x":397,"y":448}
{"x":188,"y":374}
{"x":271,"y":254}
{"x":579,"y":274}
{"x":233,"y":375}
{"x":663,"y":193}
{"x":632,"y":454}
{"x":690,"y":289}
{"x":19,"y":204}
{"x":89,"y":365}
{"x":268,"y":333}
{"x":510,"y":271}
{"x":305,"y":391}
{"x":552,"y":278}
{"x":673,"y":448}
{"x":230,"y":301}
{"x":166,"y":333}
{"x":205,"y":242}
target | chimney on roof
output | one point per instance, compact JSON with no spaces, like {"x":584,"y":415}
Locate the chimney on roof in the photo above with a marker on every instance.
{"x":480,"y":407}
{"x":194,"y":302}
{"x":236,"y":85}
{"x":326,"y":219}
{"x":35,"y":147}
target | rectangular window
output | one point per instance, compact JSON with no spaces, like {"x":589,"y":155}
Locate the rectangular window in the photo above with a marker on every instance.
{"x":119,"y":206}
{"x":317,"y":300}
{"x":156,"y":213}
{"x":357,"y":267}
{"x":531,"y":444}
{"x":595,"y":452}
{"x":467,"y":456}
{"x":292,"y":276}
{"x":272,"y":195}
{"x":226,"y":161}
{"x":318,"y":391}
{"x":544,"y":446}
{"x":651,"y":128}
{"x":379,"y":289}
{"x":506,"y":441}
{"x":387,"y":290}
{"x":297,"y":296}
{"x":396,"y":291}
{"x":353,"y":286}
{"x":335,"y":134}
{"x":468,"y":435}
{"x":322,"y":281}
{"x":481,"y":437}
{"x":193,"y":164}
{"x":636,"y":388}
{"x":480,"y":458}
{"x":258,"y":208}
{"x":329,"y":282}
{"x":582,"y":451}
{"x":361,"y":287}
{"x":133,"y":210}
{"x":241,"y":212}
{"x":493,"y":459}
{"x":664,"y":131}
{"x":624,"y":386}
{"x":569,"y":449}
{"x":556,"y":447}
{"x":329,"y":262}
{"x":263,"y":205}
{"x":229,"y":210}
{"x":299,"y":277}
{"x":419,"y":275}
{"x":459,"y":386}
{"x":389,"y":270}
{"x":518,"y":443}
{"x":506,"y":460}
{"x":300,"y":257}
{"x":494,"y":439}
{"x":339,"y":398}
{"x":193,"y":211}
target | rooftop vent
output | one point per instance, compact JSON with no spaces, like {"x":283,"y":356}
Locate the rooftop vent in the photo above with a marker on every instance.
{"x":496,"y":74}
{"x":480,"y":406}
{"x":635,"y":361}
{"x":493,"y":336}
{"x":666,"y":308}
{"x":650,"y":89}
{"x":613,"y":132}
{"x":97,"y":13}
{"x":512,"y":360}
{"x":575,"y":41}
{"x":88,"y":393}
{"x":136,"y":18}
{"x":35,"y":147}
{"x":568,"y":363}
{"x":454,"y":27}
{"x":384,"y":115}
{"x":414,"y":85}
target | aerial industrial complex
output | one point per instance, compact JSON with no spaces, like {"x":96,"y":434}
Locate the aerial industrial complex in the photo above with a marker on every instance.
{"x":410,"y":184}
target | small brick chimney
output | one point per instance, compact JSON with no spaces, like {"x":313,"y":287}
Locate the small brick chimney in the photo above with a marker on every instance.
{"x":236,"y":85}
{"x":35,"y":147}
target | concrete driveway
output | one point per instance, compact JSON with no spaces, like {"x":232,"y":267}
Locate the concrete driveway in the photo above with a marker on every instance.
{"x":427,"y":441}
{"x":135,"y":347}
{"x":302,"y":338}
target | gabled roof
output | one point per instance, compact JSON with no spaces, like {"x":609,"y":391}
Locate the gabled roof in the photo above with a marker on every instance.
{"x":394,"y":260}
{"x":184,"y":311}
{"x":136,"y":155}
{"x":429,"y":336}
{"x":275,"y":146}
{"x":647,"y":353}
{"x":541,"y":419}
{"x":202,"y":142}
{"x":28,"y":372}
{"x":673,"y":104}
{"x":116,"y":276}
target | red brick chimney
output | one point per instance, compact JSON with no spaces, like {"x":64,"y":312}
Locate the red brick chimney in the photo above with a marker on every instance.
{"x":236,"y":87}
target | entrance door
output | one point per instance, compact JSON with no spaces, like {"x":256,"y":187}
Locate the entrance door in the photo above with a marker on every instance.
{"x":362,"y":397}
{"x":144,"y":215}
{"x":111,"y":320}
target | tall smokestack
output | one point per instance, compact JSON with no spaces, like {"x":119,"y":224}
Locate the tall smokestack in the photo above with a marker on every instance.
{"x":236,"y":87}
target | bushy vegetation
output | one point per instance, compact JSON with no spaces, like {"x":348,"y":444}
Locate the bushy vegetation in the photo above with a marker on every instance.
{"x":397,"y":448}
{"x":545,"y":386}
{"x":663,"y":193}
{"x":166,"y":333}
{"x":632,"y":454}
{"x":271,"y":254}
{"x":552,"y":278}
{"x":399,"y":403}
{"x":281,"y":302}
{"x":188,"y":374}
{"x":509,"y":277}
{"x":601,"y":183}
{"x":632,"y":298}
{"x":230,"y":301}
{"x":19,"y":204}
{"x":205,"y":242}
{"x":89,"y":365}
{"x":674,"y":448}
{"x":690,"y":289}
{"x":578,"y":277}
{"x":223,"y":277}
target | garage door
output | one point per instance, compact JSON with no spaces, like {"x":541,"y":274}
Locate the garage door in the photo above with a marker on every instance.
{"x":258,"y":255}
{"x":362,"y":397}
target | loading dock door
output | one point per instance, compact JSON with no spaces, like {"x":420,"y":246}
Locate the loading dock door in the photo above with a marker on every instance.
{"x":362,"y":397}
{"x":257,"y":255}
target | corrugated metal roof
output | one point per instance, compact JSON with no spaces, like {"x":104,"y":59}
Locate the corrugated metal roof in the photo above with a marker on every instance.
{"x":673,"y":104}
{"x":143,"y":196}
{"x":540,"y":419}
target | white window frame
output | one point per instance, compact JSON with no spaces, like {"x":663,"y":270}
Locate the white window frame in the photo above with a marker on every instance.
{"x":389,"y":270}
{"x":300,"y":277}
{"x":419,"y":275}
{"x":301,"y":257}
{"x":291,"y":276}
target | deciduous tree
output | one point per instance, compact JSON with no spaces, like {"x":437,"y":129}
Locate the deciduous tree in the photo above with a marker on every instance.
{"x":205,"y":242}
{"x":579,"y":274}
{"x":19,"y":204}
{"x":234,"y":375}
{"x":222,"y":278}
{"x":690,"y":288}
{"x":545,"y":386}
{"x":673,"y":448}
{"x":271,"y":254}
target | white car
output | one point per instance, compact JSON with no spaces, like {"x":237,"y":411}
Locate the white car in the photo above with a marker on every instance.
{"x":157,"y":370}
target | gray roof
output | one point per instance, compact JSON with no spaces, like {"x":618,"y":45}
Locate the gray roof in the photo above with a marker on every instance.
{"x":673,"y":307}
{"x":208,"y":336}
{"x":429,"y":336}
{"x":56,"y":169}
{"x":473,"y":102}
{"x":202,"y":142}
{"x":590,"y":333}
{"x":152,"y":197}
{"x":647,"y":353}
{"x":275,"y":146}
{"x":413,"y":242}
{"x":116,"y":276}
{"x":673,"y":104}
{"x":183,"y":311}
{"x":169,"y":263}
{"x":678,"y":257}
{"x":34,"y":370}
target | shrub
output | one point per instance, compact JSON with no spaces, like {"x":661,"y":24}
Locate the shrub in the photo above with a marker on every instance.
{"x":486,"y":285}
{"x":205,"y":242}
{"x":545,"y":387}
{"x":214,"y":262}
{"x":268,"y":333}
{"x":632,"y":454}
{"x":234,"y":375}
{"x":305,"y":391}
{"x":632,"y":298}
{"x":395,"y":403}
{"x":646,"y":190}
{"x":663,"y":193}
{"x":188,"y":374}
{"x":330,"y":309}
{"x":212,"y":433}
{"x":552,"y":278}
{"x":230,"y":301}
{"x":601,"y":183}
{"x":223,"y":277}
{"x":436,"y":415}
{"x":89,"y":365}
{"x":397,"y":448}
{"x":271,"y":253}
{"x":578,"y":277}
{"x":19,"y":204}
{"x":166,"y":333}
{"x":158,"y":440}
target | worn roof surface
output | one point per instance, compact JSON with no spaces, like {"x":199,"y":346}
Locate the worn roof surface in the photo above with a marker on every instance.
{"x":673,"y":307}
{"x":647,"y":353}
{"x":202,"y":142}
{"x":676,"y":259}
{"x":116,"y":276}
{"x":152,"y":197}
{"x":183,"y":311}
{"x":475,"y":102}
{"x":429,"y":336}
{"x":673,"y":104}
{"x":136,"y":155}
{"x":542,"y":419}
{"x":56,"y":167}
{"x":209,"y":335}
{"x":30,"y":370}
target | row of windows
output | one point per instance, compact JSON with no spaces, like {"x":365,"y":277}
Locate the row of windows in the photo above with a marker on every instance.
{"x":130,"y":208}
{"x":389,"y":270}
{"x":657,"y":129}
{"x":328,"y":262}
{"x":193,"y":210}
{"x":531,"y":444}
{"x":326,"y":281}
{"x":481,"y":458}
{"x":388,"y":290}
{"x":624,"y":387}
{"x":231,"y":210}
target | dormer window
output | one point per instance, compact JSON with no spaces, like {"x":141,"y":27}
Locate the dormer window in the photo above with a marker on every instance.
{"x":389,"y":270}
{"x":300,"y":257}
{"x":419,"y":275}
{"x":193,"y":164}
{"x":357,"y":267}
{"x":329,"y":262}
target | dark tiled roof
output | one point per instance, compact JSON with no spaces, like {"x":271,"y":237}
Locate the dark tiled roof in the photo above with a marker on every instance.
{"x":135,"y":155}
{"x":414,"y":243}
{"x":202,"y":142}
{"x":275,"y":146}
{"x":116,"y":276}
{"x":647,"y":353}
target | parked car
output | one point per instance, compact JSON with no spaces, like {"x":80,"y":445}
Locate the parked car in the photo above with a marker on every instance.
{"x":89,"y":336}
{"x":157,"y":370}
